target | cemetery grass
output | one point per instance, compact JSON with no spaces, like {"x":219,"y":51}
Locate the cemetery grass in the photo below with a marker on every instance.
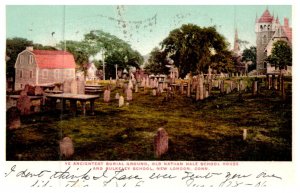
{"x":211,"y":129}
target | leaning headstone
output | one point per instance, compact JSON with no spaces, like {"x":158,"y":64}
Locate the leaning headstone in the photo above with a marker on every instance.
{"x":13,"y":118}
{"x":161,"y":142}
{"x":106,"y":96}
{"x":24,"y":104}
{"x":117,"y":96}
{"x":129,"y":94}
{"x":66,"y":148}
{"x":74,"y":87}
{"x":121,"y":101}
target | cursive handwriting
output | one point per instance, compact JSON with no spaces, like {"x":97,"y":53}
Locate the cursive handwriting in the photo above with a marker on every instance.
{"x":79,"y":177}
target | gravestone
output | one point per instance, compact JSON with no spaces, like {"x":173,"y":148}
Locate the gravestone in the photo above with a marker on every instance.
{"x":206,"y":93}
{"x":117,"y":96}
{"x":24,"y":104}
{"x":222,"y":89}
{"x":244,"y":134}
{"x":80,"y":87}
{"x":228,"y":90}
{"x":106,"y":96}
{"x":154,"y":92}
{"x":67,"y":86}
{"x":121,"y":101}
{"x":129,"y":94}
{"x":66,"y":148}
{"x":74,"y":87}
{"x":254,"y":88}
{"x":13,"y":118}
{"x":189,"y":89}
{"x":130,"y":85}
{"x":143,"y":82}
{"x":34,"y":90}
{"x":136,"y":88}
{"x":56,"y":88}
{"x":161,"y":142}
{"x":201,"y":88}
{"x":197,"y":92}
{"x":147,"y":82}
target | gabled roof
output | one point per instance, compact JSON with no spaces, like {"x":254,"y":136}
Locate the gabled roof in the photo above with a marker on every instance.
{"x":266,"y":17}
{"x":54,"y":59}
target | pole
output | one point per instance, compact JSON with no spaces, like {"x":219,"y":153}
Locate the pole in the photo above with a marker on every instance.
{"x":116,"y":71}
{"x":103,"y":64}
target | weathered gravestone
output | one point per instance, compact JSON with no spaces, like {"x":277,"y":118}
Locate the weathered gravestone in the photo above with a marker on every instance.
{"x":254,"y":88}
{"x":130,"y":84}
{"x":154,"y":92}
{"x":161,"y":142}
{"x":129,"y":94}
{"x":136,"y":88}
{"x":121,"y":101}
{"x":117,"y":96}
{"x":13,"y":118}
{"x":106,"y":95}
{"x":66,"y":148}
{"x":24,"y":104}
{"x":34,"y":90}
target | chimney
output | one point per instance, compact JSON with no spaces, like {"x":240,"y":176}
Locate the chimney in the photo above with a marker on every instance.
{"x":29,"y":48}
{"x":286,"y":22}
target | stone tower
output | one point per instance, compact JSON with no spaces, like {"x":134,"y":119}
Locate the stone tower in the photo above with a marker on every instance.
{"x":265,"y":28}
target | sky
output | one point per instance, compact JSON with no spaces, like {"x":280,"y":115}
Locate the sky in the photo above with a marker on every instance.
{"x":143,"y":26}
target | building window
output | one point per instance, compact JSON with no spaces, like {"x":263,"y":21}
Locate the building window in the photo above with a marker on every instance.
{"x":30,"y":74}
{"x":30,"y":59}
{"x":45,"y":74}
{"x":21,"y":85}
{"x":21,"y":73}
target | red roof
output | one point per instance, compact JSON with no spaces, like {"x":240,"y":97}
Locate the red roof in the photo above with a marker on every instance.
{"x":54,"y":59}
{"x":266,"y":17}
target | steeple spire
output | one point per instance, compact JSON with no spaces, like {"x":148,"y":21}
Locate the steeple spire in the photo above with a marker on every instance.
{"x":236,"y":46}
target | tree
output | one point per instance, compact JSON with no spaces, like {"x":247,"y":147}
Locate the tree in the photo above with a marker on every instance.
{"x":115,"y":51}
{"x":191,"y":47}
{"x":80,"y":51}
{"x":13,"y":47}
{"x":222,"y":62}
{"x":157,"y":62}
{"x":249,"y":56}
{"x":281,"y":55}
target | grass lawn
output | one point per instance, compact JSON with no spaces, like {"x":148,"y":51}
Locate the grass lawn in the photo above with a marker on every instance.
{"x":211,"y":129}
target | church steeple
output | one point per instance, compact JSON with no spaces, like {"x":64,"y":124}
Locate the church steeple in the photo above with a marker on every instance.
{"x":236,"y":46}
